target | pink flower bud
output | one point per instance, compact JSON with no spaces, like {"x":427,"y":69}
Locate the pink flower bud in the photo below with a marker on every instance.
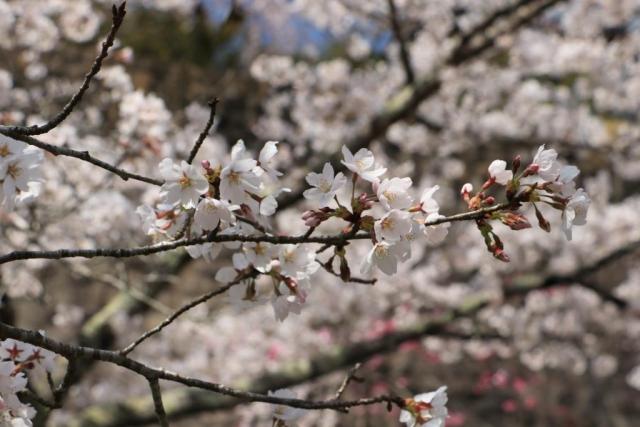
{"x":206,"y":165}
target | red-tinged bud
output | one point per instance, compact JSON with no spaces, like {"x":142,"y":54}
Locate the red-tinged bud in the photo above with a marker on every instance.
{"x":542,"y":221}
{"x":489,"y":201}
{"x":466,"y":189}
{"x":291,"y":283}
{"x":364,"y":202}
{"x":515,"y":165}
{"x":532,"y":169}
{"x":499,"y":253}
{"x":488,"y":183}
{"x":515,"y":221}
{"x":313,"y":218}
{"x":206,"y":165}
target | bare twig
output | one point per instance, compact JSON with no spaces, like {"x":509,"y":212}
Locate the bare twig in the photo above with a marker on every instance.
{"x":156,"y":394}
{"x":191,"y":304}
{"x":82,"y":155}
{"x":351,"y":376}
{"x":118,"y":14}
{"x":205,"y":132}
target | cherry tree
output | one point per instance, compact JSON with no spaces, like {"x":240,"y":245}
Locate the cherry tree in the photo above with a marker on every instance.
{"x":406,"y":193}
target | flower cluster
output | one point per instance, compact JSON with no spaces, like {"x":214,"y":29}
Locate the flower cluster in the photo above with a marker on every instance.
{"x":19,"y":172}
{"x":16,"y":358}
{"x":545,"y":181}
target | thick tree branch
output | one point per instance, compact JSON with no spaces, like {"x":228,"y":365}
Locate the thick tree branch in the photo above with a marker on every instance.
{"x":405,"y":58}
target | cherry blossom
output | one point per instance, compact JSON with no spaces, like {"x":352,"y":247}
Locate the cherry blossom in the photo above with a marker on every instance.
{"x":394,"y":193}
{"x":499,"y":173}
{"x":384,"y":256}
{"x":575,"y":213}
{"x":211,"y":212}
{"x":545,"y":164}
{"x":427,"y":203}
{"x":20,"y":173}
{"x":184,"y":184}
{"x":237,"y":177}
{"x":436,"y":234}
{"x":393,"y":225}
{"x":326,"y":185}
{"x":362,"y":164}
{"x":426,"y":409}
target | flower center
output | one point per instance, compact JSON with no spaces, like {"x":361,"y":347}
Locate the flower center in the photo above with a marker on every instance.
{"x":388,"y":224}
{"x":234,"y":177}
{"x":380,"y":251}
{"x":184,"y":181}
{"x":4,"y":150}
{"x":13,"y":171}
{"x":360,"y":164}
{"x":389,"y":195}
{"x":324,"y":186}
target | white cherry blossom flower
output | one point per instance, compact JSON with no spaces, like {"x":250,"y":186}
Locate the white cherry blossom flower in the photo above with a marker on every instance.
{"x":260,"y":255}
{"x":19,"y":171}
{"x":210,"y":212}
{"x":297,"y":261}
{"x":565,"y":184}
{"x":394,"y":193}
{"x":237,"y":177}
{"x":209,"y":251}
{"x":286,"y":413}
{"x":426,"y":409}
{"x":393,"y":225}
{"x":184,"y":184}
{"x":265,"y":159}
{"x":575,"y":213}
{"x":435,"y":233}
{"x":362,"y":164}
{"x":326,"y":185}
{"x":428,"y":204}
{"x":547,"y":163}
{"x":499,"y":173}
{"x":283,"y":305}
{"x":384,"y":256}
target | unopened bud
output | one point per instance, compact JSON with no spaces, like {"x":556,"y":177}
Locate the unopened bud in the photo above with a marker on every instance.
{"x":206,"y":164}
{"x":515,"y":221}
{"x":345,"y":271}
{"x":515,"y":165}
{"x":542,"y":221}
{"x":489,"y":201}
{"x":532,"y":169}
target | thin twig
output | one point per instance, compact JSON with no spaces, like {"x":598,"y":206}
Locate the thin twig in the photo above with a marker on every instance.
{"x":156,"y":394}
{"x":351,"y":376}
{"x":205,"y":132}
{"x":179,"y":312}
{"x":118,"y":14}
{"x":82,"y":155}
